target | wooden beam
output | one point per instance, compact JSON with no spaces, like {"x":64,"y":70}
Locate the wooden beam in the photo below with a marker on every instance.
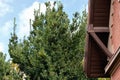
{"x":101,"y":29}
{"x":101,"y":45}
{"x":87,"y":56}
{"x":98,"y":41}
{"x":90,"y":12}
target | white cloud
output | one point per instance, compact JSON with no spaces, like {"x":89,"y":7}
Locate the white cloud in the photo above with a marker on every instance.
{"x":1,"y":47}
{"x":4,"y":36}
{"x":25,"y":16}
{"x":5,"y":7}
{"x":6,"y":28}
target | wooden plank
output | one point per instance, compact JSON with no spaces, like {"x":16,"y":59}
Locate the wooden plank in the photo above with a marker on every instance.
{"x":101,"y":7}
{"x":94,"y":67}
{"x":96,"y":75}
{"x":87,"y":56}
{"x":100,"y":24}
{"x":103,"y":4}
{"x":97,"y":53}
{"x":106,"y":16}
{"x":101,"y":14}
{"x":100,"y":10}
{"x":97,"y":60}
{"x":100,"y":63}
{"x":100,"y":29}
{"x":101,"y":18}
{"x":90,"y":13}
{"x":101,"y":1}
{"x":97,"y":70}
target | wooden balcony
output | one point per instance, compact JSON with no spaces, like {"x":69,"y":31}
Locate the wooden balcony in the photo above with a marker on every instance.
{"x":96,"y":52}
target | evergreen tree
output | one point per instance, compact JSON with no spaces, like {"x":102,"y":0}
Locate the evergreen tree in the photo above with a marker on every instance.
{"x":55,"y":47}
{"x":7,"y":72}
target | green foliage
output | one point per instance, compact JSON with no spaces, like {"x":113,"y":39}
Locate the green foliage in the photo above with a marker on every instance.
{"x":103,"y":78}
{"x":55,"y":47}
{"x":6,"y":71}
{"x":4,"y":67}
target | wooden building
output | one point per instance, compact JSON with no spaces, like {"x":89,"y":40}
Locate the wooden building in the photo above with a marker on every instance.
{"x":102,"y":52}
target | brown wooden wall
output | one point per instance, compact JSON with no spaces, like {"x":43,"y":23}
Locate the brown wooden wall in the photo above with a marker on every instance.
{"x":95,"y":57}
{"x":99,"y":11}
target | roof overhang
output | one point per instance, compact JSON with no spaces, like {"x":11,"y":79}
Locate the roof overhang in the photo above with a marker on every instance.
{"x":96,"y":52}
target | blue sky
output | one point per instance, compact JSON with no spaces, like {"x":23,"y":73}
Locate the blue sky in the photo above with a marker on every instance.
{"x":23,"y":11}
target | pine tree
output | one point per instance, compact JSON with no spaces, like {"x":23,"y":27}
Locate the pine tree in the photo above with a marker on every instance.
{"x":7,"y":72}
{"x":55,"y":47}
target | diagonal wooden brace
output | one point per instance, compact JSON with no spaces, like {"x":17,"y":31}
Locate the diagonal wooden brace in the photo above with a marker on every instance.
{"x":99,"y":42}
